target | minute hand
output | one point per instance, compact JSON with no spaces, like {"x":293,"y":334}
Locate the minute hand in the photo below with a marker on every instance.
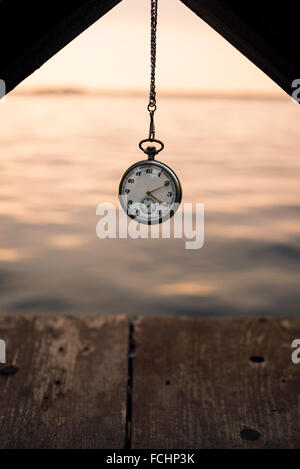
{"x":150,"y":192}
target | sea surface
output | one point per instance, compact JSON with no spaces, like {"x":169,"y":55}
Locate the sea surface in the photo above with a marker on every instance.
{"x":62,"y":155}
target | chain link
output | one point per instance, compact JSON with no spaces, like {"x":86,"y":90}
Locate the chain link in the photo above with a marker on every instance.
{"x":152,"y":96}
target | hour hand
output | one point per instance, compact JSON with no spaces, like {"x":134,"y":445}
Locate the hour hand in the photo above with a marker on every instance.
{"x":153,"y":196}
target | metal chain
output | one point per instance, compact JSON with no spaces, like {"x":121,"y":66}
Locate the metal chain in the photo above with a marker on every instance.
{"x":152,"y":96}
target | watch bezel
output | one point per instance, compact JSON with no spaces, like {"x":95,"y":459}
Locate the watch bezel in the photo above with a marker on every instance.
{"x":172,"y":174}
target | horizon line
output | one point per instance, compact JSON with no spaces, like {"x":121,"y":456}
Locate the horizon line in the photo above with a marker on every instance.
{"x":163,"y":93}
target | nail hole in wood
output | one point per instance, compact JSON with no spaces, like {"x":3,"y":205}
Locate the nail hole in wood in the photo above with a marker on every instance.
{"x":250,"y":435}
{"x":257,"y":359}
{"x":9,"y":370}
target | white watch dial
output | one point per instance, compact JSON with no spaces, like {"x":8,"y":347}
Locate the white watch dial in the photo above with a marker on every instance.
{"x":150,"y":192}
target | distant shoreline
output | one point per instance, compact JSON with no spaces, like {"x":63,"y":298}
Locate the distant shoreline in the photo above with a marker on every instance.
{"x":178,"y":94}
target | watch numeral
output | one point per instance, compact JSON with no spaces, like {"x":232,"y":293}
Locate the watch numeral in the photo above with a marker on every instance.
{"x":130,"y":202}
{"x":127,"y":191}
{"x":149,"y":171}
{"x":169,"y":194}
{"x":138,"y":173}
{"x":167,"y":183}
{"x":130,"y":181}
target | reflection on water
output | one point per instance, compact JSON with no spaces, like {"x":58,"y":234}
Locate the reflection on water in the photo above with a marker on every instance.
{"x":62,"y":156}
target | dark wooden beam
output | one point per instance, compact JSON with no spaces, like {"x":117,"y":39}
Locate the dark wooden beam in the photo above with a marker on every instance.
{"x":266,"y":32}
{"x":32,"y":32}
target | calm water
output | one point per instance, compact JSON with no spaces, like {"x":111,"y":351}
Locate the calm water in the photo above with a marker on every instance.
{"x":63,"y":155}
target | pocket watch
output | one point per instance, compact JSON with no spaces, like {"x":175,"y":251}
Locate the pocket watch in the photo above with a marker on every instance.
{"x":150,"y":191}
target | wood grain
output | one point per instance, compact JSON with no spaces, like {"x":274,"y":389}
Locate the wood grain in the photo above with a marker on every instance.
{"x":215,"y":383}
{"x":64,"y":384}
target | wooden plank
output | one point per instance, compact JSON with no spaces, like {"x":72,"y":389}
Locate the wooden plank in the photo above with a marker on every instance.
{"x":215,"y":383}
{"x":65,"y":382}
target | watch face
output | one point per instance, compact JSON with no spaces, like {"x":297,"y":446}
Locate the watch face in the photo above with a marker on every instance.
{"x":150,"y":192}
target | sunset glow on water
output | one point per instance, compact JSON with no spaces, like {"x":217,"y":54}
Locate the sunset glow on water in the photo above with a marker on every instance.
{"x":63,"y":155}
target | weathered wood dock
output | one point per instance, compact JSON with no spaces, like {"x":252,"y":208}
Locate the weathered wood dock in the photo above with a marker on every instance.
{"x":108,"y":382}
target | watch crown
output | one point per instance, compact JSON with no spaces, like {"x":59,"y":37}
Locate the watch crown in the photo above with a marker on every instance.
{"x":151,"y":152}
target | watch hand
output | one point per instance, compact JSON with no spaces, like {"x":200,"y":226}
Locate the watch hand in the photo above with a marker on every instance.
{"x":150,"y":192}
{"x":153,"y":197}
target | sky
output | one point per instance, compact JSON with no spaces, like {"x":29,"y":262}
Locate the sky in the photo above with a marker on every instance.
{"x":114,"y":54}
